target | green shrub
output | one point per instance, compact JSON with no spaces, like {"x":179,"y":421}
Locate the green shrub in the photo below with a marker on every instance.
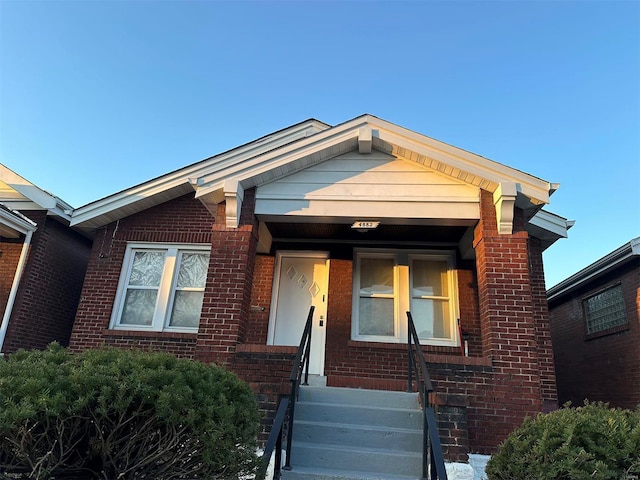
{"x":121,"y":414}
{"x":588,"y":442}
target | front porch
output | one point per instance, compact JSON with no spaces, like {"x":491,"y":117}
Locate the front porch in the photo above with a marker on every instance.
{"x":485,"y":382}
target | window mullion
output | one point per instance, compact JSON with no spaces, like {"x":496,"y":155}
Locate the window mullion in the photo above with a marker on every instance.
{"x":164,"y":292}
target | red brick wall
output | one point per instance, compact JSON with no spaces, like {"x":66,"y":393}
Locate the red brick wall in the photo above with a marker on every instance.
{"x":500,"y":308}
{"x":10,"y":254}
{"x":49,"y":289}
{"x":605,"y":368}
{"x":513,"y":326}
{"x":542,"y":328}
{"x":379,"y":360}
{"x":227,"y":299}
{"x":183,"y":220}
{"x":267,"y":369}
{"x":261,"y":300}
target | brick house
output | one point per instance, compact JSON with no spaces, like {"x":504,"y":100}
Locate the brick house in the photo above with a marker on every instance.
{"x":42,"y":265}
{"x":595,"y":328}
{"x":220,"y":261}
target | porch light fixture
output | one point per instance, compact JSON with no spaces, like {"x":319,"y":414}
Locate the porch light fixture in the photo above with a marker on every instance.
{"x":364,"y":226}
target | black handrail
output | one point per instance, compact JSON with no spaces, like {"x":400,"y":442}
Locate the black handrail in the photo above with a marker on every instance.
{"x":432,"y":457}
{"x":300,"y":368}
{"x":274,"y":442}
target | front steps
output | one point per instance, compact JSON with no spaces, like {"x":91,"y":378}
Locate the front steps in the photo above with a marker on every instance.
{"x":349,"y":434}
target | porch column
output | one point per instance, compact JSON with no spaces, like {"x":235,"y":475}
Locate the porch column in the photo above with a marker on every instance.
{"x":508,"y":321}
{"x":549,"y":390}
{"x":226,"y":305}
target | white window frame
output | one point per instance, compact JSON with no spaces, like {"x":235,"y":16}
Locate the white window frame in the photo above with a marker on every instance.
{"x":403,"y":280}
{"x":166,"y":290}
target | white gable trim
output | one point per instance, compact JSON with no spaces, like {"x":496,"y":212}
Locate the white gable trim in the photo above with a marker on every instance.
{"x":367,"y":132}
{"x":549,"y":227}
{"x":504,"y":199}
{"x":24,"y":195}
{"x":458,"y":163}
{"x":365,"y":140}
{"x":184,"y":180}
{"x":226,"y":176}
{"x":373,"y":185}
{"x":12,"y":224}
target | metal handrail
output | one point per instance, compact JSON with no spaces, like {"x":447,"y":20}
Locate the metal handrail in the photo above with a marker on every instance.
{"x":300,"y":369}
{"x":274,"y":442}
{"x":300,"y":366}
{"x":432,"y":457}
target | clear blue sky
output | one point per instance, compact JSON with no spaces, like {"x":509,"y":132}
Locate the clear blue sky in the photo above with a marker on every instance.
{"x":97,"y":96}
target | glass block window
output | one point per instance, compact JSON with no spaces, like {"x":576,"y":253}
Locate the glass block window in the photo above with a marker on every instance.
{"x":604,"y":310}
{"x":161,"y":288}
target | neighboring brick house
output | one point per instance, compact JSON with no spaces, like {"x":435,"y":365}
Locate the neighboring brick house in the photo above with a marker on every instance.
{"x":595,"y":329}
{"x":42,"y":266}
{"x":220,"y":261}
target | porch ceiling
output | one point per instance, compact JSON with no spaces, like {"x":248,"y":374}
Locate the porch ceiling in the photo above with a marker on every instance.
{"x":385,"y":233}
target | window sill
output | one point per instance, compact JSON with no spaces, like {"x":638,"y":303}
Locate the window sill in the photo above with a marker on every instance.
{"x":608,"y":331}
{"x":150,"y":334}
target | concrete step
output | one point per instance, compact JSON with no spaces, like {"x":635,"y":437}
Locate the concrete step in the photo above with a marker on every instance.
{"x":369,"y":460}
{"x":358,"y":415}
{"x":309,"y":473}
{"x":348,"y":434}
{"x":358,"y":396}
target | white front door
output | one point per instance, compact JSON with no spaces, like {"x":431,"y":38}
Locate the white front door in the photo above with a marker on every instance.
{"x":301,"y":280}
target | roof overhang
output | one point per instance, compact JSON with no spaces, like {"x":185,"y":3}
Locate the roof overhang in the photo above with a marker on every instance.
{"x":180,"y":182}
{"x":18,"y":194}
{"x":225,"y":177}
{"x":511,"y":188}
{"x":627,"y":252}
{"x":548,"y":227}
{"x":13,"y":224}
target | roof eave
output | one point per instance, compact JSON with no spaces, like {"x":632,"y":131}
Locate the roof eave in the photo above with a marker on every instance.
{"x":101,"y":212}
{"x":604,"y":265}
{"x":15,"y":222}
{"x":32,"y":197}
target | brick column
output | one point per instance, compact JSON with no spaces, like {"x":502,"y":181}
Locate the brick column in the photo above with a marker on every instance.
{"x":543,"y":327}
{"x":508,"y":322}
{"x":228,"y":291}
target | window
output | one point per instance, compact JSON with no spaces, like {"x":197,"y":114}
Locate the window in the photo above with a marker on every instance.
{"x":604,"y":310}
{"x":161,"y":288}
{"x":388,"y":283}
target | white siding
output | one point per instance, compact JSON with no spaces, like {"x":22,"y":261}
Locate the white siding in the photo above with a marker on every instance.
{"x":369,"y":185}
